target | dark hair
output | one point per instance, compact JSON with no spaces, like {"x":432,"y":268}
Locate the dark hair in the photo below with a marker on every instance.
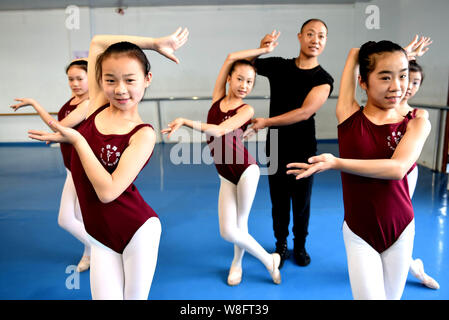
{"x":366,"y":59}
{"x":312,"y":20}
{"x":241,"y":62}
{"x":122,"y":48}
{"x":82,"y":64}
{"x":413,"y":66}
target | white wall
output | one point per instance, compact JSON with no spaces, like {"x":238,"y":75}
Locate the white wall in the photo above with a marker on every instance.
{"x":400,"y":20}
{"x":36,"y":47}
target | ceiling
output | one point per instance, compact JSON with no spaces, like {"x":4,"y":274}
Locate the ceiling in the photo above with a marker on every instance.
{"x":59,"y":4}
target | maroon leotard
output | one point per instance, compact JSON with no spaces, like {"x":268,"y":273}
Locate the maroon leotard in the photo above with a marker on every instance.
{"x":377,"y":210}
{"x":113,"y":224}
{"x":230,"y":155}
{"x":66,"y":148}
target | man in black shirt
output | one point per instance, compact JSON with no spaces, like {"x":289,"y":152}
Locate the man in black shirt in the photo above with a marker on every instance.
{"x":298,"y":88}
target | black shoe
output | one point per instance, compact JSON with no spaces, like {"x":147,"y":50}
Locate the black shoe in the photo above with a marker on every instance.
{"x":281,"y":248}
{"x":301,"y":256}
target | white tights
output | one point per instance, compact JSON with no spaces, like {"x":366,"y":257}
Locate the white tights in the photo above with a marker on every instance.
{"x":375,"y":276}
{"x":234,"y":206}
{"x":416,"y":265}
{"x":70,"y":217}
{"x":412,"y":179}
{"x":128,"y":276}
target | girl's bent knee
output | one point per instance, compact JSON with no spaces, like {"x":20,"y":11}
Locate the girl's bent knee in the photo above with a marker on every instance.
{"x":228,"y":234}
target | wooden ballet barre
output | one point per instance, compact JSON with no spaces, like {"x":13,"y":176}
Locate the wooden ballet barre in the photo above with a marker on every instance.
{"x":208,"y":98}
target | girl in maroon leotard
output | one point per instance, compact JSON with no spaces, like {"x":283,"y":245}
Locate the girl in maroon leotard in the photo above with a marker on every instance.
{"x":72,"y":113}
{"x":239,"y":174}
{"x":112,"y":146}
{"x":416,"y":77}
{"x":377,"y":148}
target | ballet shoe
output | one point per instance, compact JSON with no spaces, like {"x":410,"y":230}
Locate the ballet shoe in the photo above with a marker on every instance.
{"x":417,"y":269}
{"x":418,"y":272}
{"x":275,"y":273}
{"x":84,"y":264}
{"x":235,"y":276}
{"x":431,"y":283}
{"x":281,"y":248}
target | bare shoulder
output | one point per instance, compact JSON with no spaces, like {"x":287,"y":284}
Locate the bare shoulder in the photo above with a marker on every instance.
{"x":144,"y":136}
{"x":420,"y":123}
{"x":246,"y":109}
{"x":422,"y":113}
{"x":84,"y":104}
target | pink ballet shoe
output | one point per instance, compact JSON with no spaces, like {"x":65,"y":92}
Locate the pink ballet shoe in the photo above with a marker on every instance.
{"x":84,"y":264}
{"x":275,"y":273}
{"x":431,"y":283}
{"x":417,"y":270}
{"x":235,"y":276}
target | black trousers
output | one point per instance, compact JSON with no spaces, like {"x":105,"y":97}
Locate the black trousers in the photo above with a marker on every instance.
{"x":286,"y":192}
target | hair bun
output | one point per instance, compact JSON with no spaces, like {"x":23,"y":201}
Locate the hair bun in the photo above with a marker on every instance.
{"x":366,"y":60}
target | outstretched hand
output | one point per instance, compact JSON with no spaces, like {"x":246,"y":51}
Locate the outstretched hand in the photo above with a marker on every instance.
{"x":316,"y":164}
{"x":417,"y":47}
{"x":249,"y":132}
{"x":169,"y":44}
{"x":173,"y":126}
{"x":258,"y":124}
{"x":61,"y":134}
{"x":23,"y":103}
{"x":270,"y":40}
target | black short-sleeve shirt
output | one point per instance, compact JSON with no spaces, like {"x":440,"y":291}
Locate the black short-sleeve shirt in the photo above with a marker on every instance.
{"x":289,"y":86}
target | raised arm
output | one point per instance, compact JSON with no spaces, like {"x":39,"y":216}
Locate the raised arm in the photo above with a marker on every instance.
{"x":25,"y":102}
{"x":73,"y":119}
{"x":250,"y":54}
{"x":243,"y":114}
{"x":166,"y":46}
{"x":240,"y":118}
{"x":269,"y":39}
{"x":346,"y":104}
{"x":417,"y":47}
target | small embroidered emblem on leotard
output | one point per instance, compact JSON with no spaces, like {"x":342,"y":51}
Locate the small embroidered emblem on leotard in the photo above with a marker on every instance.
{"x":109,"y":155}
{"x":393,"y":140}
